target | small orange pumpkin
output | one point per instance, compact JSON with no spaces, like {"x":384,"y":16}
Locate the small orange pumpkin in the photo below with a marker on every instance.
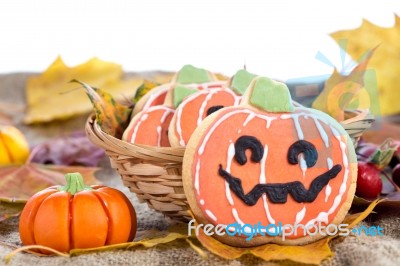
{"x":77,"y":216}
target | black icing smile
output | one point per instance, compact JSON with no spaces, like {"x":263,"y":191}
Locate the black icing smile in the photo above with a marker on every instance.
{"x":278,"y":192}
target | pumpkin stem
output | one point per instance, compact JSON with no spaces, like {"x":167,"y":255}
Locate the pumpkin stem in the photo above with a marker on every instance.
{"x":190,"y":74}
{"x":269,"y":95}
{"x":74,"y":184}
{"x":241,"y":81}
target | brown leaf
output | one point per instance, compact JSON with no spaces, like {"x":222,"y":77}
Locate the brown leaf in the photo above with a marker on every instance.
{"x":19,"y":183}
{"x":391,"y":200}
{"x":8,"y":209}
{"x":153,"y":238}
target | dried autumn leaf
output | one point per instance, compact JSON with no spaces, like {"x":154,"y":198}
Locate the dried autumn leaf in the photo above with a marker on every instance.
{"x":385,"y":62}
{"x":313,"y":253}
{"x":143,"y":89}
{"x":112,"y":117}
{"x":19,"y":183}
{"x":8,"y":209}
{"x":46,"y":97}
{"x":73,"y":149}
{"x":153,"y":238}
{"x":391,"y":200}
{"x":340,"y":90}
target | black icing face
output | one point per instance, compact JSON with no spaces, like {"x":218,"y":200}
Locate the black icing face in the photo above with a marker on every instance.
{"x":278,"y":192}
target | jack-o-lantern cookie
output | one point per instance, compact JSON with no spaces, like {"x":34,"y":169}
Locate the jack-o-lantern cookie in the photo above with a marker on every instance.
{"x":263,"y":166}
{"x":193,"y":109}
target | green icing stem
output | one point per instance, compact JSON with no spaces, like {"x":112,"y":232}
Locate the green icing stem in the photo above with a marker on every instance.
{"x":241,"y":80}
{"x":181,"y":92}
{"x":271,"y":96}
{"x":190,"y":74}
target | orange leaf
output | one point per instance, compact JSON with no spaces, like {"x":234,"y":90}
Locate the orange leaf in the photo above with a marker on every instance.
{"x":220,"y":249}
{"x":340,"y":90}
{"x":112,"y":117}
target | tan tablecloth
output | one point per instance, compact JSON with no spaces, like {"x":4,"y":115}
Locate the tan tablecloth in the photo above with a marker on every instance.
{"x":352,"y":250}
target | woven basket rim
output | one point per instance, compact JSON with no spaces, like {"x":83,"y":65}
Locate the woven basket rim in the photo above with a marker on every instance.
{"x":109,"y":142}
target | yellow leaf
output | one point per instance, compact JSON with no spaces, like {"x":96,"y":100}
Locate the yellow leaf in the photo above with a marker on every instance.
{"x":353,"y":219}
{"x":385,"y":61}
{"x":313,"y":253}
{"x":339,"y":90}
{"x":47,"y":99}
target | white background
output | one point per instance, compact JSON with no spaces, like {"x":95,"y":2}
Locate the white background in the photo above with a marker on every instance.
{"x":275,"y":38}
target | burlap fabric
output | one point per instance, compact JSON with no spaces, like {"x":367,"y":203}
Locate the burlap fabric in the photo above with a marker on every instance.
{"x":352,"y":250}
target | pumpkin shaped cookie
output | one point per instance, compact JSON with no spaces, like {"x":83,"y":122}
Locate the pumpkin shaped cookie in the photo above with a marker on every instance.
{"x":156,"y":96}
{"x":150,"y":125}
{"x":267,"y":162}
{"x":188,"y":76}
{"x":193,"y":109}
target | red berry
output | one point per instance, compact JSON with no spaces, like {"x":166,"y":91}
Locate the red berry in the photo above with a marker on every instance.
{"x":369,"y":182}
{"x":396,"y":174}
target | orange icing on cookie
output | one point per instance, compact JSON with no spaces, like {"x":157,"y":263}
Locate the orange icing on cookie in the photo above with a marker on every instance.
{"x":150,"y":126}
{"x":191,"y":112}
{"x":276,"y":132}
{"x":156,"y":98}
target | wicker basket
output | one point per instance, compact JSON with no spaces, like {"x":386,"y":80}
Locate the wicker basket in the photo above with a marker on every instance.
{"x":154,"y":173}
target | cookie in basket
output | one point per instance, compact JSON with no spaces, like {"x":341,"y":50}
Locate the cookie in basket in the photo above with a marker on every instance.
{"x":194,"y":108}
{"x":150,"y":125}
{"x":189,"y":76}
{"x":261,"y":167}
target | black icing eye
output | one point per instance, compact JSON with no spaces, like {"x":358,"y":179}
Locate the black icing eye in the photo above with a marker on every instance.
{"x":248,"y":142}
{"x":309,"y":152}
{"x":213,"y":109}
